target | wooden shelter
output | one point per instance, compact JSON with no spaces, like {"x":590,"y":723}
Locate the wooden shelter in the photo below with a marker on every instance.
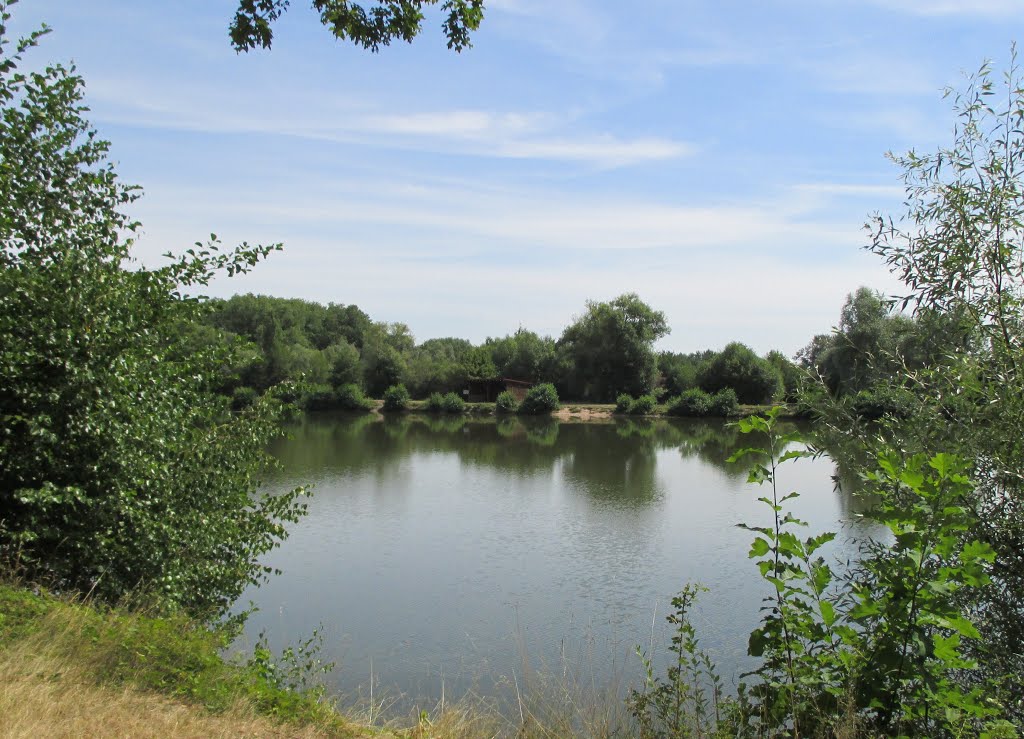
{"x":487,"y":391}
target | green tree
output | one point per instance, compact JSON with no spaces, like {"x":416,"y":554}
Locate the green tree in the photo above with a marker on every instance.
{"x":610,"y":349}
{"x":385,"y":348}
{"x":120,"y":469}
{"x":680,"y":372}
{"x":792,"y":376}
{"x":385,"y":21}
{"x":522,"y":356}
{"x":343,"y":363}
{"x":753,"y":379}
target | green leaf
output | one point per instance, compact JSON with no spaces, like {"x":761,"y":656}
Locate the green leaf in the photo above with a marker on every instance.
{"x":828,"y":613}
{"x":759,"y":548}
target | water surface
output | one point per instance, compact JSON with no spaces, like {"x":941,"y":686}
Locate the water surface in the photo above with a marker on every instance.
{"x":450,"y":553}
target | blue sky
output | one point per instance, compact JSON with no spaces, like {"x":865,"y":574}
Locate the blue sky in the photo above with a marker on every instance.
{"x":717,"y":158}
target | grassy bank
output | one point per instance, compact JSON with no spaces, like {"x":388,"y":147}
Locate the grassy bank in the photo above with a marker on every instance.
{"x":69,"y":669}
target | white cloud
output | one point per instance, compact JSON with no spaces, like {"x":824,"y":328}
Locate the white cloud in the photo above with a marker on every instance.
{"x":465,"y":132}
{"x":770,"y":274}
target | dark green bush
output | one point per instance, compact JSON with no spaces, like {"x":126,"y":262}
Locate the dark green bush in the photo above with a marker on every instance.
{"x":643,"y":406}
{"x":243,"y":397}
{"x":319,"y":398}
{"x":623,"y":403}
{"x":540,"y":399}
{"x":692,"y":402}
{"x":396,"y":398}
{"x":506,"y":403}
{"x":724,"y":403}
{"x":450,"y":403}
{"x":350,"y":398}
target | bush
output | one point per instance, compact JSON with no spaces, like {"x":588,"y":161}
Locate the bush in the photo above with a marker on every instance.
{"x":450,"y":403}
{"x":693,"y":402}
{"x":319,"y":398}
{"x":643,"y":406}
{"x":396,"y":398}
{"x":243,"y":397}
{"x":623,"y":403}
{"x":506,"y":402}
{"x":350,"y":398}
{"x":724,"y":403}
{"x":453,"y":403}
{"x":540,"y":399}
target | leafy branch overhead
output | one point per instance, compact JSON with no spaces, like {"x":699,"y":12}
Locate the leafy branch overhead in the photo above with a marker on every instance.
{"x":369,"y":27}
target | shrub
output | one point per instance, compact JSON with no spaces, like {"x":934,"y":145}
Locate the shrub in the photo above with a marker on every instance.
{"x":724,"y":403}
{"x":319,"y":398}
{"x":623,"y":403}
{"x":643,"y":406}
{"x":539,"y":400}
{"x":692,"y":402}
{"x":452,"y":403}
{"x":350,"y":398}
{"x":506,"y":403}
{"x":396,"y":398}
{"x":243,"y":397}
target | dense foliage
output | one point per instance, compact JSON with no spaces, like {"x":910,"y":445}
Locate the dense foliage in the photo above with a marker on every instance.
{"x":606,"y":353}
{"x":120,"y":468}
{"x":382,"y":23}
{"x":755,"y":380}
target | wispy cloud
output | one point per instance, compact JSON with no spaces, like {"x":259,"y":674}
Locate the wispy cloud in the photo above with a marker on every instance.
{"x":466,"y":132}
{"x":860,"y":71}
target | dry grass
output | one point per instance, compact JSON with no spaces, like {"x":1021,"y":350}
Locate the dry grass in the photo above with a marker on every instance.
{"x":42,"y":695}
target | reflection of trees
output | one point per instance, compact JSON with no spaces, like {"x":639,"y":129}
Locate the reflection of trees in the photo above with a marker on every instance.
{"x":516,"y":446}
{"x":626,"y":427}
{"x":444,"y":424}
{"x":712,"y":441}
{"x":609,"y":461}
{"x":540,"y":430}
{"x":614,"y":462}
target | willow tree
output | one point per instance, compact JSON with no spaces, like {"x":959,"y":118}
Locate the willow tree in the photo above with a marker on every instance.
{"x":959,"y":249}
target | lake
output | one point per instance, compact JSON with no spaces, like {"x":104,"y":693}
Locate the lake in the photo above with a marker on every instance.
{"x":454,"y":554}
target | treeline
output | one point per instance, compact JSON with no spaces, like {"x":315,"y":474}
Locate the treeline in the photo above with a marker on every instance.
{"x":340,"y":353}
{"x":602,"y":355}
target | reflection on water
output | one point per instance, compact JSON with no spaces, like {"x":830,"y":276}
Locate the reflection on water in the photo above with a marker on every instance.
{"x":447,"y":550}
